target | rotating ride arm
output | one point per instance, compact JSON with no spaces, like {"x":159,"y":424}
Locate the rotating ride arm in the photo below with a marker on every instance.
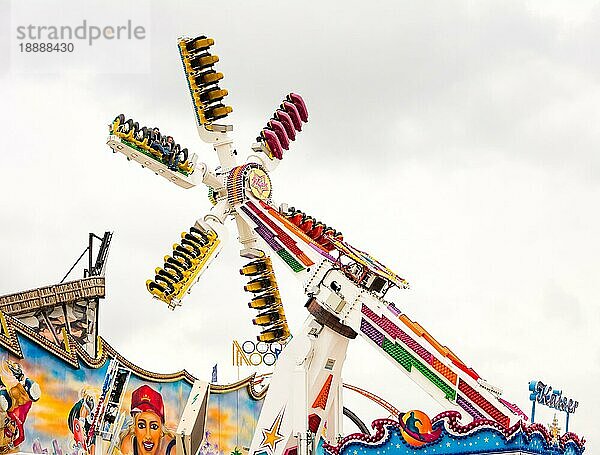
{"x":351,"y":289}
{"x":411,"y":348}
{"x":190,"y":257}
{"x":346,"y":289}
{"x":201,"y":244}
{"x":147,"y":147}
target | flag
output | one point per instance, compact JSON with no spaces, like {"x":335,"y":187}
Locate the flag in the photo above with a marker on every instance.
{"x":214,"y":374}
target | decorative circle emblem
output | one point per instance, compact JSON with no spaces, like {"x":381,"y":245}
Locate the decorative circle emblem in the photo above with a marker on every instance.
{"x":261,"y":352}
{"x":416,"y":428}
{"x":259,"y":183}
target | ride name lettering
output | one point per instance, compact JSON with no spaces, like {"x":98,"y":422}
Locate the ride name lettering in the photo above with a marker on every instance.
{"x":258,"y":181}
{"x":547,"y":397}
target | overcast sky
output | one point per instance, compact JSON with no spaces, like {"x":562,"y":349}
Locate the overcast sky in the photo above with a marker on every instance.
{"x":455,"y":141}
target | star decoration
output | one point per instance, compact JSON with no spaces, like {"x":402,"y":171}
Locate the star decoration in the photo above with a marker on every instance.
{"x":486,"y":439}
{"x":272,"y":436}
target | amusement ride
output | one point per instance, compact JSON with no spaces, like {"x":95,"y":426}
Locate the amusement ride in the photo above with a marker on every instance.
{"x":345,"y":287}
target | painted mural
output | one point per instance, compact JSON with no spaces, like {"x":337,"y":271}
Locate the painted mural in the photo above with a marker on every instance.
{"x":231,"y":418}
{"x":59,"y":401}
{"x":62,"y":415}
{"x":17,"y":394}
{"x":146,"y":433}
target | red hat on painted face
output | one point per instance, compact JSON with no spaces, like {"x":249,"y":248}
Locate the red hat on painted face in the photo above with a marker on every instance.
{"x":146,"y":399}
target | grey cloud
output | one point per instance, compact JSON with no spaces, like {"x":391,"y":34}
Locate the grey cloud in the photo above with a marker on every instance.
{"x":560,"y":306}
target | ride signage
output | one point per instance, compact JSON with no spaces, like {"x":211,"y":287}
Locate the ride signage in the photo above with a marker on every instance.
{"x":546,"y":395}
{"x":251,"y":353}
{"x":259,"y":183}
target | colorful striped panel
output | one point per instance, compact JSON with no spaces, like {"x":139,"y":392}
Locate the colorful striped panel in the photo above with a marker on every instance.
{"x":514,"y":408}
{"x":397,"y":333}
{"x":466,"y":369}
{"x":390,"y":328}
{"x":371,"y":332}
{"x":283,"y":236}
{"x":286,"y":240}
{"x":420,"y":350}
{"x":235,"y":188}
{"x":382,"y":322}
{"x":289,"y":260}
{"x":408,"y":361}
{"x":370,"y":313}
{"x":443,"y":350}
{"x":484,"y":404}
{"x":270,"y":240}
{"x":295,"y":229}
{"x":398,"y":353}
{"x":264,"y":232}
{"x":468,"y":407}
{"x":444,"y":370}
{"x":323,"y":253}
{"x":255,"y":219}
{"x":395,"y":311}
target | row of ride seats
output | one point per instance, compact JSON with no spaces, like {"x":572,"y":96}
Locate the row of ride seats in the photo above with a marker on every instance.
{"x":316,"y":230}
{"x":281,"y":128}
{"x":181,"y":268}
{"x":203,"y":80}
{"x":267,"y":300}
{"x":144,"y":138}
